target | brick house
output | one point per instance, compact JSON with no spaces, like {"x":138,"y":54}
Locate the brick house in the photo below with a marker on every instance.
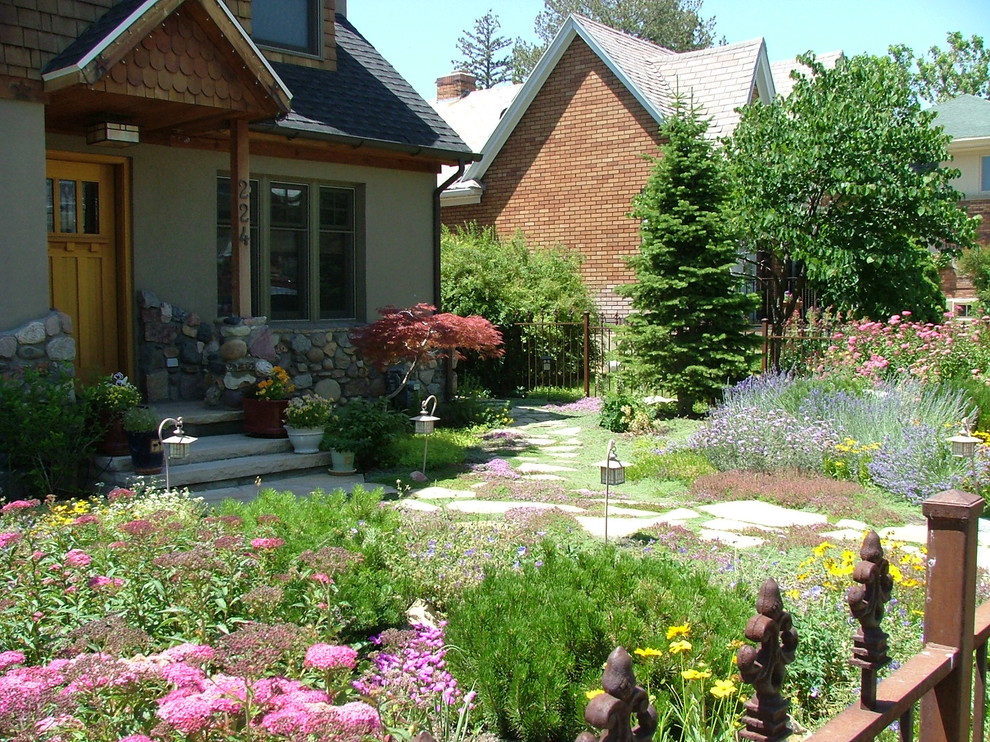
{"x":125,"y":124}
{"x":967,"y":120}
{"x":567,"y":156}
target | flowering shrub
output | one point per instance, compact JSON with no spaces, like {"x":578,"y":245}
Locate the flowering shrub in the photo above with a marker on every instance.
{"x":112,"y":394}
{"x":308,"y":411}
{"x":899,"y":347}
{"x":277,"y":385}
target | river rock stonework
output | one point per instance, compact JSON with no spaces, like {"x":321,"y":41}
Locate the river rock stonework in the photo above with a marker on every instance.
{"x":39,"y":343}
{"x":182,"y":356}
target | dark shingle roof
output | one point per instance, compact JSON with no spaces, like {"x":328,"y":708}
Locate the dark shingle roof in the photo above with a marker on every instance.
{"x":92,"y":36}
{"x":363,"y":99}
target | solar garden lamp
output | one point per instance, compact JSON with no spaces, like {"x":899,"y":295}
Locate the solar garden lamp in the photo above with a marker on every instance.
{"x":613,"y":472}
{"x":176,"y":445}
{"x":963,"y":447}
{"x":425,"y":423}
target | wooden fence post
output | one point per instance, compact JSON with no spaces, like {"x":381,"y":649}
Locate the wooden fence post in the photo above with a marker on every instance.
{"x":950,"y":607}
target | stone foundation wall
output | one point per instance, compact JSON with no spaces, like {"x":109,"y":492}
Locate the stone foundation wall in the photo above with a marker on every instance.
{"x":39,"y":343}
{"x":182,"y":356}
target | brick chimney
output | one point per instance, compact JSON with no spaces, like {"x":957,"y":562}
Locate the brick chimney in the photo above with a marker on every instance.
{"x":456,"y":85}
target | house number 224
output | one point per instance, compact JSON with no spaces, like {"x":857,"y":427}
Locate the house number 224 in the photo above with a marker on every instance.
{"x":244,"y":209}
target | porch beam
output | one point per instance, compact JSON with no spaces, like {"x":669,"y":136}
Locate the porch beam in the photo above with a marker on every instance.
{"x":240,"y":218}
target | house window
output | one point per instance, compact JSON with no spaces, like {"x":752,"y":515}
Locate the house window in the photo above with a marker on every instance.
{"x":292,"y":25}
{"x":985,"y":173}
{"x":305,"y":257}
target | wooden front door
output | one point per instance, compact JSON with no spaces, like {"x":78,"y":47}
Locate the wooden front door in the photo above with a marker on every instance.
{"x":83,"y":260}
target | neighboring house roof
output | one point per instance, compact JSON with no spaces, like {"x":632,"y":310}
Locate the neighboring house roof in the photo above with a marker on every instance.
{"x":781,"y":70}
{"x":364,"y":101}
{"x":964,"y":117}
{"x":718,"y":79}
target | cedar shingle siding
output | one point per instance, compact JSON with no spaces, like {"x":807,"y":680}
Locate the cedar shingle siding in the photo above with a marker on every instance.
{"x":568,"y":172}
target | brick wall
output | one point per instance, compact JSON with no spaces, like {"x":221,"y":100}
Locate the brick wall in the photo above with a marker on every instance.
{"x":980,"y":207}
{"x":569,"y":171}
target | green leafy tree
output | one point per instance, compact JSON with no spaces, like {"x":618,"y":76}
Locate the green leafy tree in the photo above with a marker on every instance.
{"x":839,"y":188}
{"x":479,"y":52}
{"x":673,"y":24}
{"x":963,"y":67}
{"x":688,"y":333}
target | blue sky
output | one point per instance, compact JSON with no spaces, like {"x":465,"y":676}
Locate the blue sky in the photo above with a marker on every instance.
{"x":420,"y":38}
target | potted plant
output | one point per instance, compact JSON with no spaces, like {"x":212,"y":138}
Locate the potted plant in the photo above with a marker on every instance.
{"x":306,"y":418}
{"x":265,"y":405}
{"x":147,"y":455}
{"x":108,"y":399}
{"x":365,"y":429}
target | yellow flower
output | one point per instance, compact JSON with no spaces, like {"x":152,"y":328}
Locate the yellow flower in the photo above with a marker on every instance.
{"x":723,"y":689}
{"x":679,"y":646}
{"x":896,"y":574}
{"x":589,"y":694}
{"x":793,"y":593}
{"x":675,"y":631}
{"x":822,"y":548}
{"x":648,"y":652}
{"x":693,"y":674}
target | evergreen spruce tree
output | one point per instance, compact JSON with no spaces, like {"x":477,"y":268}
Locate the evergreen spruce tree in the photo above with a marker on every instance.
{"x":479,"y":49}
{"x":688,"y":332}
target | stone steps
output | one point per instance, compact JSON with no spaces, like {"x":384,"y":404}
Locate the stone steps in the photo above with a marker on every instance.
{"x":218,"y":459}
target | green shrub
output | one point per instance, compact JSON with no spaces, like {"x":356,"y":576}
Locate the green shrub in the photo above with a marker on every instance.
{"x":532,"y":666}
{"x":45,"y":432}
{"x":369,"y":428}
{"x":679,"y":464}
{"x":979,"y":395}
{"x":556,"y":394}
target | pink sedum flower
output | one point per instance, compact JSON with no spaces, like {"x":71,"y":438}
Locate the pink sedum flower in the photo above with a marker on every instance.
{"x":330,"y":657}
{"x":267,"y":543}
{"x":77,"y":558}
{"x":10,"y":658}
{"x":9,"y":538}
{"x":16,"y":505}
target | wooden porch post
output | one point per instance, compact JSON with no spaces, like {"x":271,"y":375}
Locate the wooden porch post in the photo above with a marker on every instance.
{"x":240,"y":217}
{"x":950,"y":607}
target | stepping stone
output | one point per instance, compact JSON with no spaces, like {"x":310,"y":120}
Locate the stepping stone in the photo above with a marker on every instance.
{"x":575,"y":431}
{"x":571,"y":442}
{"x":856,"y":524}
{"x":632,"y":512}
{"x":845,"y":534}
{"x":725,"y":524}
{"x":679,"y":514}
{"x":425,"y":507}
{"x":543,"y":478}
{"x":528,"y":468}
{"x":442,"y":493}
{"x":917,"y":534}
{"x":983,"y":558}
{"x":560,"y":450}
{"x":617,"y":527}
{"x":501,"y":506}
{"x":540,"y":441}
{"x":728,"y":538}
{"x":563,"y":454}
{"x":763,"y":514}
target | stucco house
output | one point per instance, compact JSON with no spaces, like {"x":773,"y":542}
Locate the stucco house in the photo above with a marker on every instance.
{"x":168,"y":163}
{"x":566,"y":157}
{"x":967,"y":120}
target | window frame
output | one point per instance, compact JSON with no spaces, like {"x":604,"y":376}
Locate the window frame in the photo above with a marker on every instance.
{"x":261,"y":245}
{"x":314,"y":12}
{"x":985,"y":173}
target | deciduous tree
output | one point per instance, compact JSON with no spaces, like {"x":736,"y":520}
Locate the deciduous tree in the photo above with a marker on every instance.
{"x":839,"y":187}
{"x":688,"y":331}
{"x":673,"y":24}
{"x":962,"y":67}
{"x":479,"y":50}
{"x":416,"y":334}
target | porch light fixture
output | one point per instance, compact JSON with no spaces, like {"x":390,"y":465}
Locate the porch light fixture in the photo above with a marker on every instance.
{"x":176,"y":445}
{"x":613,"y":472}
{"x":113,"y":134}
{"x":425,"y":422}
{"x":964,"y":447}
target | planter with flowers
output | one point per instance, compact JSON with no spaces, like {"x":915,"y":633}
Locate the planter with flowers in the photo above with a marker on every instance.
{"x":109,"y":399}
{"x":147,"y":454}
{"x":306,"y":418}
{"x":264,"y":407}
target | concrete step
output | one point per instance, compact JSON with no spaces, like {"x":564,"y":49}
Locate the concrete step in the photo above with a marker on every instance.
{"x":207,"y":448}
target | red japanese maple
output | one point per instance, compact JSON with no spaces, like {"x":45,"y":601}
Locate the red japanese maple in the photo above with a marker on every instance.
{"x":416,"y":334}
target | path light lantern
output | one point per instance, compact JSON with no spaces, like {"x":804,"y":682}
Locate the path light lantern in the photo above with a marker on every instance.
{"x":425,"y":422}
{"x":176,"y":445}
{"x":964,"y":447}
{"x":547,"y":360}
{"x":613,"y":472}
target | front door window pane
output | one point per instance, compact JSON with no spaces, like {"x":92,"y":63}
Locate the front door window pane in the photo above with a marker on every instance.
{"x":288,"y":273}
{"x":67,"y":205}
{"x":91,"y":207}
{"x":50,"y":203}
